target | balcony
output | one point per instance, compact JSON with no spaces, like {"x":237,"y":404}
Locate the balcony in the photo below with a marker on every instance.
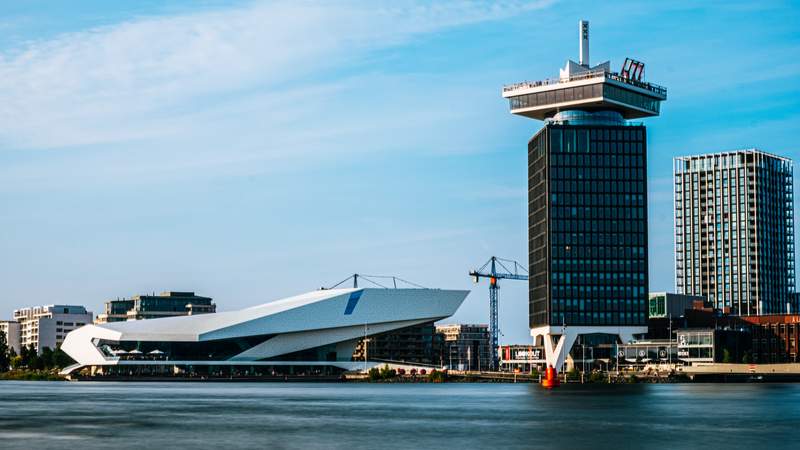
{"x":660,"y":91}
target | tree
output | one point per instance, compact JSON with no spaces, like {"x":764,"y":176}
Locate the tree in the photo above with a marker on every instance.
{"x":61,"y":359}
{"x":30,"y":359}
{"x":5,"y":358}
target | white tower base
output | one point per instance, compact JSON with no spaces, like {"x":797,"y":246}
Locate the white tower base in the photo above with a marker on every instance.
{"x":558,"y":340}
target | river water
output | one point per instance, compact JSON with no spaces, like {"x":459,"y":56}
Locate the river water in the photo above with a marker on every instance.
{"x":86,"y":415}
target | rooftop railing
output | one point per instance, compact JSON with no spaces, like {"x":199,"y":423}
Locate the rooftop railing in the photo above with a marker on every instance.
{"x":652,"y":87}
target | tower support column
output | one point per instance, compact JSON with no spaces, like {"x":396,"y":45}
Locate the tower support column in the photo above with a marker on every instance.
{"x":558,"y":341}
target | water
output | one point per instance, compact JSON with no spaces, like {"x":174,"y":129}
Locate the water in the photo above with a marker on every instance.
{"x":411,"y":416}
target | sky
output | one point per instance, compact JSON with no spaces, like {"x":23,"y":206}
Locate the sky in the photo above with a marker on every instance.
{"x":250,"y":151}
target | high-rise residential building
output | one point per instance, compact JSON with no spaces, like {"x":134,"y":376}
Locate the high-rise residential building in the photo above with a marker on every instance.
{"x":587,"y":200}
{"x":734,"y":231}
{"x":10,"y":328}
{"x":466,"y":346}
{"x":47,"y":326}
{"x":166,"y":304}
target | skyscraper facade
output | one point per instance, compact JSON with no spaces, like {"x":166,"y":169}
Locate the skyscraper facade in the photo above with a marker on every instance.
{"x":587,"y":196}
{"x":734,"y":231}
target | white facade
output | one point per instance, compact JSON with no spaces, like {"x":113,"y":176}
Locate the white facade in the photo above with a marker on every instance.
{"x":11,"y":329}
{"x":335,"y":319}
{"x":47,"y":326}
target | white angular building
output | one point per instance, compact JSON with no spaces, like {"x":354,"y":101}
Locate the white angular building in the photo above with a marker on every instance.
{"x":316,"y":331}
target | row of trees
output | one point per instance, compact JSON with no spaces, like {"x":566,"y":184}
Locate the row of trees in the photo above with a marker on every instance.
{"x":30,"y":359}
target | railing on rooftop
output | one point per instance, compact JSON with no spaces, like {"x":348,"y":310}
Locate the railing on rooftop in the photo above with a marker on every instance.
{"x":652,"y":87}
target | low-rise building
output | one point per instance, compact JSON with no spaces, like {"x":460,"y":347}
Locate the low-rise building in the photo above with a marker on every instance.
{"x":666,"y":304}
{"x":521,"y":358}
{"x":47,"y":326}
{"x":418,"y":344}
{"x":466,"y":346}
{"x":10,"y":328}
{"x":166,"y":304}
{"x":775,"y":338}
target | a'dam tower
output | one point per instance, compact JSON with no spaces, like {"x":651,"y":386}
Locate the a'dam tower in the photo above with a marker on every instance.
{"x":587,"y":202}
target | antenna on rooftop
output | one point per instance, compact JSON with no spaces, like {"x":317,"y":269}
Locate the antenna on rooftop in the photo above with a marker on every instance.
{"x":583,"y":35}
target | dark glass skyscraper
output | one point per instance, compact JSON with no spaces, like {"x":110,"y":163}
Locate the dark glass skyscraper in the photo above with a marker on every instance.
{"x":588,"y":225}
{"x":587,"y":199}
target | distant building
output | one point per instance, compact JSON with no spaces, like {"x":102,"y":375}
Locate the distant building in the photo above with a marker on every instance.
{"x":667,"y":304}
{"x":776,"y":338}
{"x":466,"y":347}
{"x":47,"y":326}
{"x":521,"y":358}
{"x":166,"y":304}
{"x":734,"y":230}
{"x":418,"y":344}
{"x":11,"y":330}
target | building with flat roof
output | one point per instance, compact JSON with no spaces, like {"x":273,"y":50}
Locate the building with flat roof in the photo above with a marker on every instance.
{"x":166,"y":304}
{"x":418,"y":344}
{"x":587,"y":200}
{"x":10,"y":328}
{"x":663,"y":305}
{"x":466,"y":346}
{"x":521,"y":358}
{"x":734,"y":230}
{"x":316,"y":332}
{"x":47,"y":326}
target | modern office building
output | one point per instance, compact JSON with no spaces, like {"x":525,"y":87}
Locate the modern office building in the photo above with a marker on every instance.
{"x":587,"y":197}
{"x":666,"y":304}
{"x":10,"y":328}
{"x":47,"y":326}
{"x":166,"y":304}
{"x":316,"y":332}
{"x":466,"y":346}
{"x":734,"y":231}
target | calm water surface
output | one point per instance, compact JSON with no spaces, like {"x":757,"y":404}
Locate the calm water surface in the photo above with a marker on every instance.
{"x":89,"y":415}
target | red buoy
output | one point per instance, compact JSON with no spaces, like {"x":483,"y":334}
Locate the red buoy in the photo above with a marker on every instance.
{"x":550,"y":378}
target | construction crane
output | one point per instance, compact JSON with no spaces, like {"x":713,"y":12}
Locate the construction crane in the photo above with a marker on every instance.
{"x":489,"y":270}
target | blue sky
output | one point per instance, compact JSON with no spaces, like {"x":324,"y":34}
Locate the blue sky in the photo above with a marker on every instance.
{"x":249,"y":150}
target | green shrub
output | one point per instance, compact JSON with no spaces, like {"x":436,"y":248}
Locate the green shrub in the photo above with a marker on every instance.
{"x":597,"y":377}
{"x":387,"y":373}
{"x":374,"y":374}
{"x":437,"y":377}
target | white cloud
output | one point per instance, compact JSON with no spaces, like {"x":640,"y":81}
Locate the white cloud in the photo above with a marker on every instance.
{"x":139,"y":79}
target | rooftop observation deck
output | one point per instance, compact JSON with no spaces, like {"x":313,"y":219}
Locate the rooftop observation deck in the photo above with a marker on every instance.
{"x":589,"y":91}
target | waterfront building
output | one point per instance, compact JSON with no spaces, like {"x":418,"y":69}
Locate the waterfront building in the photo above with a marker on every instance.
{"x":466,"y":346}
{"x":166,"y":304}
{"x":10,"y":328}
{"x":775,"y":338}
{"x":666,"y":304}
{"x":587,"y":200}
{"x":521,"y":358}
{"x":314,"y":333}
{"x":47,"y":326}
{"x":419,"y":344}
{"x":734,"y":230}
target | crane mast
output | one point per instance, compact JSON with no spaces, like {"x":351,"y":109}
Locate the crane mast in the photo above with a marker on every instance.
{"x":490,"y":270}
